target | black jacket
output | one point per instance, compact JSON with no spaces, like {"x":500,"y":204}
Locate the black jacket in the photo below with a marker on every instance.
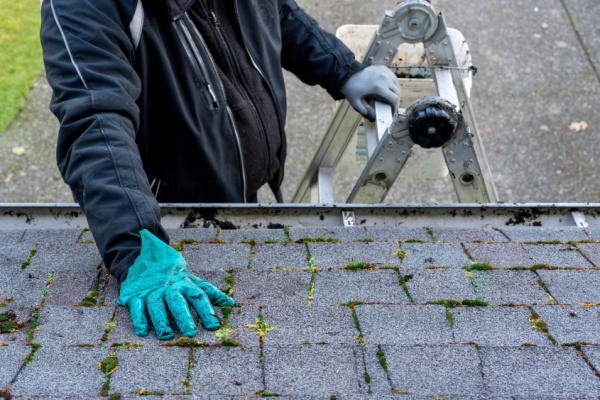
{"x":141,"y":106}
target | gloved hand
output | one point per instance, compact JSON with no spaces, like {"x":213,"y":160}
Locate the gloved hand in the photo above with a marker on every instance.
{"x":376,"y":82}
{"x":159,"y":275}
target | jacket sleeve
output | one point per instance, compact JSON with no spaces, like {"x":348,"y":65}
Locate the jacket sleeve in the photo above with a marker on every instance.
{"x":88,"y":54}
{"x":313,"y":54}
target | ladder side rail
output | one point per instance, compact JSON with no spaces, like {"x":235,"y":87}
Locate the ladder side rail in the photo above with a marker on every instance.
{"x":449,"y":82}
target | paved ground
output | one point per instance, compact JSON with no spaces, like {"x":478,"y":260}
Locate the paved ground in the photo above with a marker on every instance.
{"x":508,"y":312}
{"x":539,"y":69}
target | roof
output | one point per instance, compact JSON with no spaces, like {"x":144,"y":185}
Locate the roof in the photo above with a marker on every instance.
{"x":328,"y":311}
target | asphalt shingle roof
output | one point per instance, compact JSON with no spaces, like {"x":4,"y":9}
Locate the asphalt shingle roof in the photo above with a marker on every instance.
{"x":458,"y":313}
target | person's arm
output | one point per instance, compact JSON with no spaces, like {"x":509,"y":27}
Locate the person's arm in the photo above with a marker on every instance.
{"x":318,"y":57}
{"x":88,"y":54}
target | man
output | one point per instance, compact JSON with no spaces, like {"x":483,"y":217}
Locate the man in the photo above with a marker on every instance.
{"x":180,"y":101}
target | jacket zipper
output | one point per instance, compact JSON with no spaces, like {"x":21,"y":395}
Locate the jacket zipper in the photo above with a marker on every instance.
{"x":239,"y":146}
{"x":194,"y":56}
{"x":229,"y":116}
{"x":217,"y":26}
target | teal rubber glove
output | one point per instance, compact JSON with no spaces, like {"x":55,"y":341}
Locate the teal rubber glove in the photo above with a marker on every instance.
{"x":158,"y":279}
{"x":376,"y":82}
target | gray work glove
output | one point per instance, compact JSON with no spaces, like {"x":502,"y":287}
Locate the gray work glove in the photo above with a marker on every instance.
{"x":376,"y":82}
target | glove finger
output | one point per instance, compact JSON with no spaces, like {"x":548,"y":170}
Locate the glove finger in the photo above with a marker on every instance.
{"x":158,"y":315}
{"x":181,"y":312}
{"x":200,"y":301}
{"x":216,"y":297}
{"x":137,"y":311}
{"x":368,"y":111}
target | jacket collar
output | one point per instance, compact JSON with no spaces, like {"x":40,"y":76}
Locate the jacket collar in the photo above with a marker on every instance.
{"x":177,"y":7}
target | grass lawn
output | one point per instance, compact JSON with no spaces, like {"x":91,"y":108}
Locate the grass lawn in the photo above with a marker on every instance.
{"x":20,"y":55}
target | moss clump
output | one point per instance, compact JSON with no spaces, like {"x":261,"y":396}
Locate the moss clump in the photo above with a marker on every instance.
{"x":229,"y":283}
{"x":538,"y":323}
{"x":92,"y":297}
{"x":286,"y":233}
{"x":108,"y":366}
{"x":126,"y":345}
{"x":146,"y":392}
{"x":9,"y":322}
{"x":319,"y":239}
{"x":261,"y":326}
{"x":431,"y":234}
{"x":190,"y":241}
{"x":87,"y":241}
{"x":4,"y":302}
{"x":450,"y":317}
{"x":251,"y":242}
{"x":413,"y":240}
{"x":264,"y":393}
{"x":404,"y":283}
{"x":224,"y":333}
{"x":478,"y":266}
{"x":475,"y":303}
{"x":401,"y":253}
{"x":270,"y":241}
{"x":455,"y":303}
{"x":356,"y":265}
{"x":27,"y":261}
{"x":185,"y":342}
{"x":352,"y":304}
{"x":382,"y":359}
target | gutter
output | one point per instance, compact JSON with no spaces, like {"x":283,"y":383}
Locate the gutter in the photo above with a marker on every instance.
{"x":255,"y":216}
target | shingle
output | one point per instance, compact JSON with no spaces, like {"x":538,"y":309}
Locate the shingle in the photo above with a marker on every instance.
{"x":55,"y":236}
{"x":12,"y":357}
{"x":379,"y":386}
{"x":52,"y":258}
{"x":138,"y":370}
{"x":404,"y":325}
{"x":499,"y":255}
{"x":556,"y":255}
{"x":434,"y":254}
{"x":438,"y":284}
{"x":570,"y":324}
{"x":267,"y":256}
{"x":200,"y":234}
{"x":338,"y":255}
{"x":378,"y":286}
{"x":61,"y":326}
{"x":509,"y":287}
{"x":24,"y":289}
{"x":315,"y":371}
{"x":516,"y":371}
{"x":397,"y":233}
{"x":591,"y":251}
{"x":314,"y":324}
{"x":11,"y":236}
{"x":12,"y":256}
{"x":62,"y":372}
{"x":344,"y":234}
{"x":226,"y":370}
{"x":535,"y":234}
{"x":70,"y":287}
{"x":272,"y":287}
{"x":431,"y":370}
{"x":217,"y":257}
{"x":257,"y":235}
{"x":496,"y":326}
{"x":572,"y":287}
{"x":464,"y":235}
